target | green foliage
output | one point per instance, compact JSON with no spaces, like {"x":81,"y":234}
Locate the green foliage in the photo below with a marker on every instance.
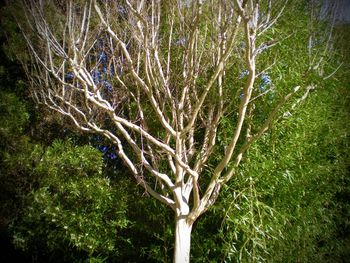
{"x":17,"y":155}
{"x":150,"y":233}
{"x":73,"y":206}
{"x":16,"y":45}
{"x":14,"y":116}
{"x":288,"y":202}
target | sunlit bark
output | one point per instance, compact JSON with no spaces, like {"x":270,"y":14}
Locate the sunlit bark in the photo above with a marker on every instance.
{"x":167,"y":65}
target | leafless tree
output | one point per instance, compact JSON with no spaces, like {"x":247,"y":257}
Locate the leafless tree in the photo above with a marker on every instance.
{"x":156,"y":78}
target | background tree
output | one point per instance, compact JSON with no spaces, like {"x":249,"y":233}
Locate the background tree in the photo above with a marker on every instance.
{"x":157,"y":80}
{"x":73,"y":207}
{"x":290,"y":192}
{"x":291,"y":206}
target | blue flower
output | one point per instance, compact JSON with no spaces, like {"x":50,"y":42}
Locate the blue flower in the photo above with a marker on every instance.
{"x":262,"y":87}
{"x":113,"y":156}
{"x":244,"y":73}
{"x":241,"y":95}
{"x":107,"y":85}
{"x":96,"y":76}
{"x":103,"y":149}
{"x":111,"y":70}
{"x":265,"y":79}
{"x":187,"y":3}
{"x":103,"y":57}
{"x":181,"y":41}
{"x":69,"y":76}
{"x":122,"y":11}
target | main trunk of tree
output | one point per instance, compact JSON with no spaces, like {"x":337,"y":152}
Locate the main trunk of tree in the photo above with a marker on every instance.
{"x":182,"y":241}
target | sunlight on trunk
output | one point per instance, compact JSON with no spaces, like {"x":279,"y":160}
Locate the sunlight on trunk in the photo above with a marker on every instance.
{"x":182,"y":241}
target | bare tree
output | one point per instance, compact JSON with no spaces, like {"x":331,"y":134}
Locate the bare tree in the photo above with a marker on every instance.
{"x":156,"y":78}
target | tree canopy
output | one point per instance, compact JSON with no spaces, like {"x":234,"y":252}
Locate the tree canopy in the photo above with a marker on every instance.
{"x":184,"y":91}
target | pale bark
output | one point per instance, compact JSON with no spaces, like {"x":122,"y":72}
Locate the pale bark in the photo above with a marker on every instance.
{"x":182,"y":240}
{"x":178,"y":79}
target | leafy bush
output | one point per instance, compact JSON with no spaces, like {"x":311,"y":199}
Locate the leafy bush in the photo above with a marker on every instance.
{"x":74,"y":207}
{"x":288,"y":204}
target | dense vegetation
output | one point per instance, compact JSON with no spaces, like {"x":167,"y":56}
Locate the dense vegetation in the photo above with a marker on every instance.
{"x":65,"y":198}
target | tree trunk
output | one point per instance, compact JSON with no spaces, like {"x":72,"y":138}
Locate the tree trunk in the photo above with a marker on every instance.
{"x":182,"y":241}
